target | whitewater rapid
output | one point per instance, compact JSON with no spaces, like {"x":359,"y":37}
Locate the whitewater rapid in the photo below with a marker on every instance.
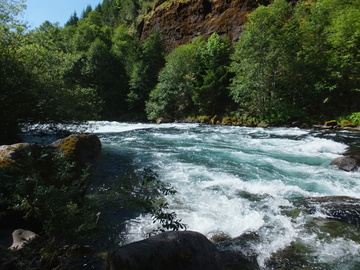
{"x":234,"y":180}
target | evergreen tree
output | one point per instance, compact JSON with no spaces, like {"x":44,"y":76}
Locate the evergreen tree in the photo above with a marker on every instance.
{"x":86,"y":12}
{"x":145,"y":71}
{"x":211,"y":94}
{"x":73,"y":20}
{"x":105,"y":73}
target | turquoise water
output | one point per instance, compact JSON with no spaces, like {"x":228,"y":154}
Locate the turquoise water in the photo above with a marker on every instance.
{"x":236,"y":180}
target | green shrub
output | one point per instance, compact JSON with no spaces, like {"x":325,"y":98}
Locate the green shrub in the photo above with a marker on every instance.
{"x":53,"y":194}
{"x":350,"y":120}
{"x":355,"y":118}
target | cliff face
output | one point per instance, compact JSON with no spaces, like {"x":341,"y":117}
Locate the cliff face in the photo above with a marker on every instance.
{"x":180,"y":21}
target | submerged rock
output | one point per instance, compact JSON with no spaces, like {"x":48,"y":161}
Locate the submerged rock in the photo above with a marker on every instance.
{"x":350,"y":161}
{"x":294,"y":257}
{"x":169,"y":251}
{"x":342,"y":208}
{"x":326,"y":219}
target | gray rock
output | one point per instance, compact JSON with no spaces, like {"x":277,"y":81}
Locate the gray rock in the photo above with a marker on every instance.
{"x":347,"y":163}
{"x":169,"y":250}
{"x":21,"y":237}
{"x":164,"y":121}
{"x":263,"y":124}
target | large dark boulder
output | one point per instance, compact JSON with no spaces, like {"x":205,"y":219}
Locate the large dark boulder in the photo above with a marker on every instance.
{"x":168,"y":251}
{"x":242,"y":257}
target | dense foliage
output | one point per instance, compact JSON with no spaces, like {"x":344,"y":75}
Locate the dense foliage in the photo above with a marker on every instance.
{"x":45,"y":192}
{"x":297,"y":62}
{"x":292,"y":62}
{"x":194,"y":80}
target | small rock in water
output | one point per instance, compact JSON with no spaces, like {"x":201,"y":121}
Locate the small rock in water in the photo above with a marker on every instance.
{"x":347,"y":163}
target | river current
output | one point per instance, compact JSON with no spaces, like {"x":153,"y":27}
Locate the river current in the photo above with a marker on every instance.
{"x":236,"y":180}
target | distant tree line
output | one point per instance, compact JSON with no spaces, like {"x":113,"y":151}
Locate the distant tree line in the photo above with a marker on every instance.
{"x":293,"y":62}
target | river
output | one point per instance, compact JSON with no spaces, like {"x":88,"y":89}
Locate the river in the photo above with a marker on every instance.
{"x":235,"y":180}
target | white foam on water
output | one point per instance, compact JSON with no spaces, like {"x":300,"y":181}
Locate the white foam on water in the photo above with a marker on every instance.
{"x":286,"y":131}
{"x":237,"y":179}
{"x":138,"y":228}
{"x":114,"y":127}
{"x":335,"y":253}
{"x":276,"y":235}
{"x":337,"y":249}
{"x":317,"y":146}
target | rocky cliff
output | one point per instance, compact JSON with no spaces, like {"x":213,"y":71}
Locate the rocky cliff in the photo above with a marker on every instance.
{"x":180,"y":21}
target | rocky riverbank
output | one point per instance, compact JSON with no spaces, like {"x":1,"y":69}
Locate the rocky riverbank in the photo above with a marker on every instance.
{"x":43,"y":198}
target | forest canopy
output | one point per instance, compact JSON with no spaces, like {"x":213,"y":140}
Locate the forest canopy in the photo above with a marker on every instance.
{"x":293,"y":62}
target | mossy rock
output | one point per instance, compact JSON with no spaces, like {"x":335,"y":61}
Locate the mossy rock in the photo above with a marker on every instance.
{"x":10,"y":155}
{"x":83,"y":149}
{"x":294,"y":257}
{"x":164,"y":120}
{"x":205,"y":119}
{"x":229,"y":121}
{"x":214,"y":120}
{"x":331,"y":123}
{"x":346,"y":123}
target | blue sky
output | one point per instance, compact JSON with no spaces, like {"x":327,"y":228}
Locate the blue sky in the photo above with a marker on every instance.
{"x":60,"y":11}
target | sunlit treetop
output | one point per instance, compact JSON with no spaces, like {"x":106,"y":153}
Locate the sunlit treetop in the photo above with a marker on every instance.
{"x":10,"y":14}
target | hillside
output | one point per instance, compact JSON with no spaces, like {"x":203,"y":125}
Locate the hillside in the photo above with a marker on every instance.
{"x":181,"y":21}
